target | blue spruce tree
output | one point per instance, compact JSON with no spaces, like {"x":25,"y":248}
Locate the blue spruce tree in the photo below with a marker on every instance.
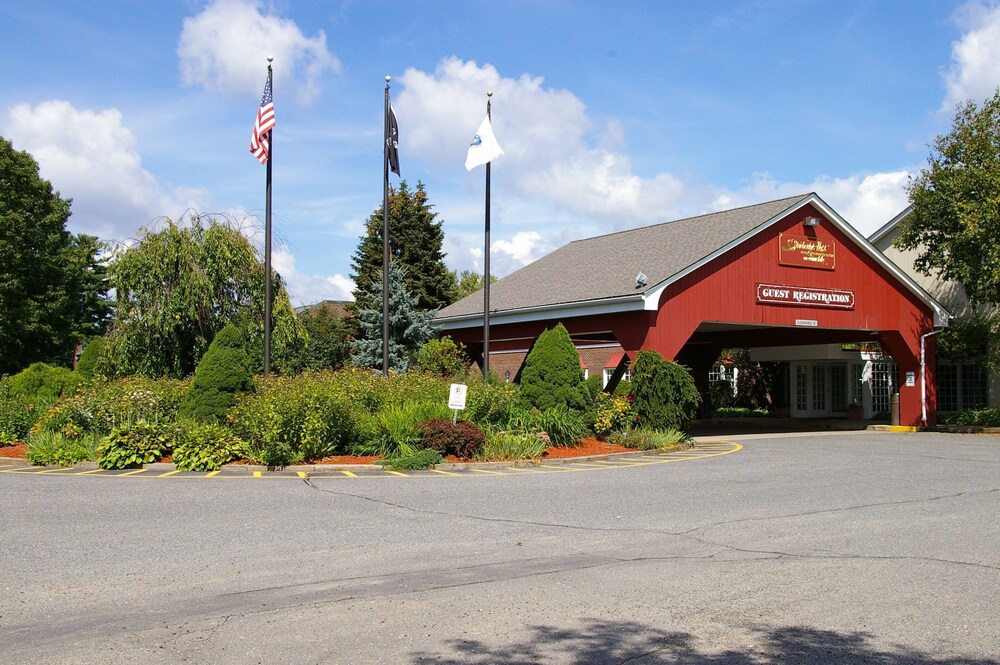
{"x":409,"y":327}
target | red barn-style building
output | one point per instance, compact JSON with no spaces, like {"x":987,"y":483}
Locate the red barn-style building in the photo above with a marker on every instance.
{"x":787,"y":273}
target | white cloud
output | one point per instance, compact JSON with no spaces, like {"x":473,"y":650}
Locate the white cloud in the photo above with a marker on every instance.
{"x":975,"y":68}
{"x":553,"y":150}
{"x":565,"y":176}
{"x":866,"y":202}
{"x":225,"y":48}
{"x":309,"y":289}
{"x":90,"y":156}
{"x":506,"y":256}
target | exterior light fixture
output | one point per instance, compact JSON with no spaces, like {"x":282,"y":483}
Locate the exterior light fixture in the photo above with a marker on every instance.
{"x":641,"y":280}
{"x":811,"y":221}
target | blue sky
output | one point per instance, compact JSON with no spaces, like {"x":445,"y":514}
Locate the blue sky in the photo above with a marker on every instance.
{"x":611,"y":115}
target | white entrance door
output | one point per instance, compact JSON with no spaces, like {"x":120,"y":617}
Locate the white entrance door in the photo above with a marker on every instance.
{"x":819,"y":390}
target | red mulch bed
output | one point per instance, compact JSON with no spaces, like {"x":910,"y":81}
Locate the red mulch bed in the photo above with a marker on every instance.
{"x":588,"y":446}
{"x":19,"y":451}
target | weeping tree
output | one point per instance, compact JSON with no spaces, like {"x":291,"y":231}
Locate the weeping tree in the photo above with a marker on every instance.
{"x":409,"y":326}
{"x":178,"y":286}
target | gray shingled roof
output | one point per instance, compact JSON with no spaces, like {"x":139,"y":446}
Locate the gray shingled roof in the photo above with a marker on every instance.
{"x":606,"y":266}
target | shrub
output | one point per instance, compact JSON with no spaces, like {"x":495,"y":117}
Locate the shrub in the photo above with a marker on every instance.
{"x":462,"y":439}
{"x":303,"y":417}
{"x":563,"y":425}
{"x":611,"y":414}
{"x":134,"y":445}
{"x":48,"y":449}
{"x":664,"y":394}
{"x":595,"y":384}
{"x":552,"y":374}
{"x":493,"y":405}
{"x":102,"y":406}
{"x":414,"y":459}
{"x":86,"y":366}
{"x":442,"y":357}
{"x":222,"y":373}
{"x":739,"y":412}
{"x":206,"y":447}
{"x":505,"y":446}
{"x":16,"y":415}
{"x":643,"y":438}
{"x":983,"y":417}
{"x":623,"y":389}
{"x":41,"y":383}
{"x":721,"y":394}
{"x":394,"y":428}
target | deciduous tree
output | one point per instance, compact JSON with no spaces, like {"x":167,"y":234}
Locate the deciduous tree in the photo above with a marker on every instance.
{"x":955,"y":222}
{"x":52,"y":283}
{"x":178,"y":286}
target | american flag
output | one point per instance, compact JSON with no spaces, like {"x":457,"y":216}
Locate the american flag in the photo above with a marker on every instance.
{"x":260,"y":146}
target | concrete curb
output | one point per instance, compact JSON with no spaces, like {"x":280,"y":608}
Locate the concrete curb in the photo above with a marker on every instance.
{"x":895,"y":428}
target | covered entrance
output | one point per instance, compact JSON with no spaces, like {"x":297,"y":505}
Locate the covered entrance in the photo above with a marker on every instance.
{"x":785,"y":275}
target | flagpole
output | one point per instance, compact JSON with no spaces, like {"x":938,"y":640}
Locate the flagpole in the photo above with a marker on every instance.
{"x":385,"y":234}
{"x":486,"y":267}
{"x":267,"y":238}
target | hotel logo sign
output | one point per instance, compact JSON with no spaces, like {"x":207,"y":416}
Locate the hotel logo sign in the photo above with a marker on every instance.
{"x":806,"y":252}
{"x":804,"y":296}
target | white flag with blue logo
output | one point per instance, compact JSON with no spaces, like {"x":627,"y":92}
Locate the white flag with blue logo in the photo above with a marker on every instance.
{"x":484,"y":147}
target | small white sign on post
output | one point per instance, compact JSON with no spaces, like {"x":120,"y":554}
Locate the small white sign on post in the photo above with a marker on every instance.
{"x":911,"y":379}
{"x":456,"y":398}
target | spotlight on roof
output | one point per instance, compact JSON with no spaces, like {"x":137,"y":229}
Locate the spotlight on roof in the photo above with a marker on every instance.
{"x":811,"y":221}
{"x":641,"y":280}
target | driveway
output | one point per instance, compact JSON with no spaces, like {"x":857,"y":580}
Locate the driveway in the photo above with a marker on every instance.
{"x":818,"y":548}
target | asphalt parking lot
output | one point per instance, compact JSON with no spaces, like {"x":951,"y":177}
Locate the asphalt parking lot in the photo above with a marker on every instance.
{"x":816,"y":548}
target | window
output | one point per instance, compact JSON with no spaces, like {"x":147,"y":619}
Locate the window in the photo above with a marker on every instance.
{"x":961,"y":386}
{"x":857,"y":384}
{"x":801,"y":387}
{"x":610,"y":371}
{"x":883,"y":385}
{"x":819,"y":388}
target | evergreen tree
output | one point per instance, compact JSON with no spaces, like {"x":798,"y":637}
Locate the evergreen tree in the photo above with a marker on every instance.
{"x":52,"y":284}
{"x":409,"y":326}
{"x":86,"y":366}
{"x":663,"y":392}
{"x":552,"y":376}
{"x":224,"y":372}
{"x":415,"y":240}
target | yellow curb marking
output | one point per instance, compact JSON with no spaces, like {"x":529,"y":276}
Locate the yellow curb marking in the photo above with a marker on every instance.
{"x":702,"y":451}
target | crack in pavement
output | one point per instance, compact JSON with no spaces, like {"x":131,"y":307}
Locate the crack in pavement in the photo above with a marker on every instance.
{"x":690,"y":533}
